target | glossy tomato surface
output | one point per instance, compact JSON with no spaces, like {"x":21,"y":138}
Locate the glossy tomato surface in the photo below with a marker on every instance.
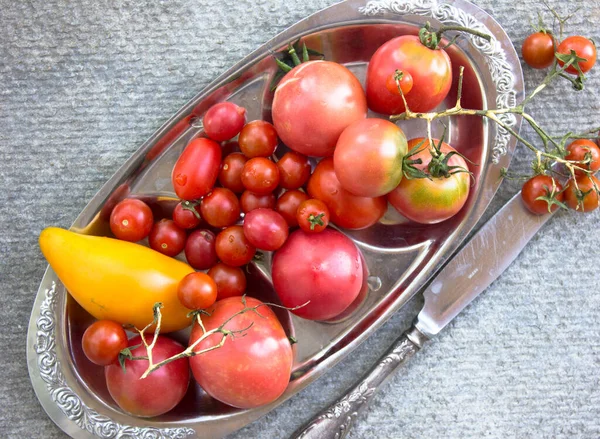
{"x":541,"y":186}
{"x":583,"y":47}
{"x":265,"y":229}
{"x":196,"y":170}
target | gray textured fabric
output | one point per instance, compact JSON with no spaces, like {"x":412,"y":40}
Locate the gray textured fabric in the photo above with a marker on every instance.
{"x":84,"y":83}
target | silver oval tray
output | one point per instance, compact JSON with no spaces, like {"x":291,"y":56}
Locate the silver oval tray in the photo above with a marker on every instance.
{"x":400,"y":256}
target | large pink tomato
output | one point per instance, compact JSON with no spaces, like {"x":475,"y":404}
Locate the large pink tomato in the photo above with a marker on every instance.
{"x":430,"y":201}
{"x":314,"y":103}
{"x":324,"y":269}
{"x":430,"y":69}
{"x":252,"y":368}
{"x":368,"y":157}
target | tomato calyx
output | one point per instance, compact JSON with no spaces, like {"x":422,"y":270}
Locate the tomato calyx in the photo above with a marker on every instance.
{"x":126,"y":354}
{"x":316,"y":220}
{"x":287,"y":59}
{"x":551,"y":196}
{"x":438,"y":167}
{"x":572,"y":60}
{"x":191,"y":206}
{"x":432,"y":39}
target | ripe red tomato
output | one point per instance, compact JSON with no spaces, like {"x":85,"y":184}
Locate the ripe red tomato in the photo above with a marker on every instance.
{"x":220,"y":208}
{"x":431,"y":72}
{"x":260,"y":175}
{"x":428,"y":201}
{"x":312,"y":216}
{"x":347,"y":210}
{"x":538,"y":50}
{"x":265,"y":229}
{"x":102,"y":342}
{"x":197,"y":291}
{"x":186,"y":215}
{"x":230,"y":175}
{"x":324,"y":269}
{"x":167,"y":238}
{"x":250,"y":201}
{"x":131,"y":220}
{"x":200,"y":250}
{"x":231,"y":281}
{"x":196,"y":170}
{"x":583,"y":47}
{"x":583,"y":197}
{"x":368,"y":157}
{"x":258,"y":139}
{"x":224,"y":121}
{"x":287,"y":205}
{"x":248,"y":371}
{"x":160,"y":391}
{"x":233,"y":247}
{"x":405,"y":80}
{"x":541,"y":186}
{"x":584,"y":149}
{"x":314,"y":103}
{"x":294,"y":170}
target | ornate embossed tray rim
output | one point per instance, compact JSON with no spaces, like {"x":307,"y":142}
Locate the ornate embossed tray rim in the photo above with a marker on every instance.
{"x":67,"y":401}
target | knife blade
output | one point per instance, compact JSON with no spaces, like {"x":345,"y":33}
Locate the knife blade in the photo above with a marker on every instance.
{"x":472,"y":269}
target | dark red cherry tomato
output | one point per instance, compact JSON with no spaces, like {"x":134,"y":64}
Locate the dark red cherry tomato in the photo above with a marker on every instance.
{"x":231,"y":281}
{"x":131,"y":220}
{"x":294,"y":170}
{"x":233,"y":248}
{"x":103,"y":341}
{"x":230,"y":175}
{"x":220,"y":208}
{"x":250,"y":201}
{"x":258,"y":139}
{"x":167,"y":238}
{"x":260,"y":175}
{"x":186,"y":215}
{"x":200,"y":249}
{"x":288,"y":203}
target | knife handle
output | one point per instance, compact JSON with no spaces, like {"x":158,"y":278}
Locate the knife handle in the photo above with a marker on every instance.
{"x":335,"y":421}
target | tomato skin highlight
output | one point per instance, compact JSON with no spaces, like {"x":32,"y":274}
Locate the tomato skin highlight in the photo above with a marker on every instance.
{"x":538,"y":50}
{"x":539,"y":186}
{"x":197,"y":169}
{"x":584,"y":48}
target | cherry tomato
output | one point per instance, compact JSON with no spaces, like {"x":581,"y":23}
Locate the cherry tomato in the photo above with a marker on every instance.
{"x":538,"y":50}
{"x":294,"y":170}
{"x":131,"y":220}
{"x":250,"y":201}
{"x":167,"y":238}
{"x":160,"y":391}
{"x":200,"y":249}
{"x":231,"y":281}
{"x":313,"y":216}
{"x":541,"y":186}
{"x":584,"y":149}
{"x":196,"y":170}
{"x":230,"y":175}
{"x":265,"y":229}
{"x":220,"y":208}
{"x":260,"y":175}
{"x":583,"y":47}
{"x":287,"y":205}
{"x":405,"y":80}
{"x":314,"y":103}
{"x":197,"y":291}
{"x":102,"y":342}
{"x":186,"y":215}
{"x":346,"y":210}
{"x":583,"y":197}
{"x":368,"y":157}
{"x":258,"y":139}
{"x":233,"y":248}
{"x":224,"y":121}
{"x":431,"y":72}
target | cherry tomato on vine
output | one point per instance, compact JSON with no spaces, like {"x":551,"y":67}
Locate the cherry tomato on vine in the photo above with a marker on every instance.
{"x":545,"y":187}
{"x":200,"y":249}
{"x":231,"y":281}
{"x":197,"y":291}
{"x":233,"y":248}
{"x":538,"y":50}
{"x":250,"y":201}
{"x":103,"y":341}
{"x":584,"y":149}
{"x":224,"y":121}
{"x":131,"y":220}
{"x":313,"y":216}
{"x":220,"y":208}
{"x":583,"y":47}
{"x":230,"y":175}
{"x":265,"y":229}
{"x":167,"y":238}
{"x":186,"y":215}
{"x":260,"y":175}
{"x":582,"y":197}
{"x":294,"y":170}
{"x":288,"y":203}
{"x":406,"y":83}
{"x":258,"y":139}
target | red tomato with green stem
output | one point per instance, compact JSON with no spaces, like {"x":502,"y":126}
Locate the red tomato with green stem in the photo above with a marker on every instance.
{"x":167,"y":238}
{"x":265,"y":229}
{"x":131,"y":220}
{"x":258,"y":139}
{"x":224,"y":121}
{"x":584,"y":150}
{"x":542,"y":194}
{"x":538,"y":50}
{"x":581,"y":194}
{"x":231,"y":281}
{"x":312,"y":216}
{"x":288,"y":203}
{"x":220,"y":208}
{"x":186,"y":215}
{"x":197,"y":291}
{"x":583,"y":47}
{"x":196,"y":170}
{"x":102,"y":342}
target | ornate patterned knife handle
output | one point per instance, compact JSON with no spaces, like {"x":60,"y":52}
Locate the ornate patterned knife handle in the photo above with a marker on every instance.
{"x":335,"y":421}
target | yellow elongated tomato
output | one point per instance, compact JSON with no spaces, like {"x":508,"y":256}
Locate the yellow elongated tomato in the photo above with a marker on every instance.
{"x":117,"y":280}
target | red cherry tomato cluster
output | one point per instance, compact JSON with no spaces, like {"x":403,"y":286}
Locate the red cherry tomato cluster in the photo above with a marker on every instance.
{"x":540,"y":48}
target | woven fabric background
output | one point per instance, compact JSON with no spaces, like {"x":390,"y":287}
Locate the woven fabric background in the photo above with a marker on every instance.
{"x":83,"y":83}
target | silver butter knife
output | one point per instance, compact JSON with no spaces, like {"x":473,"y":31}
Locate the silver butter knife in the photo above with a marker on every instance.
{"x":481,"y":261}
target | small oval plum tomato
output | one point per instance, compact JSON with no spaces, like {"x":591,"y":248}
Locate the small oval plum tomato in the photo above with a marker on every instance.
{"x":102,"y":342}
{"x":314,"y":103}
{"x":288,"y":203}
{"x":131,"y":220}
{"x":231,"y":281}
{"x":402,"y":79}
{"x":541,"y":194}
{"x":233,"y":248}
{"x":584,"y":150}
{"x":250,"y":201}
{"x":186,"y":215}
{"x":538,"y":50}
{"x":197,"y":168}
{"x":430,"y":201}
{"x":324,"y":269}
{"x":200,"y":249}
{"x":346,"y":210}
{"x":265,"y":229}
{"x":230,"y":175}
{"x":312,"y":216}
{"x":294,"y":170}
{"x":220,"y":208}
{"x":368,"y":157}
{"x":247,"y":371}
{"x":258,"y":139}
{"x":431,"y":72}
{"x":224,"y":121}
{"x":167,"y":238}
{"x":260,"y":175}
{"x":581,"y":194}
{"x":160,"y":391}
{"x":583,"y":47}
{"x":197,"y":291}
